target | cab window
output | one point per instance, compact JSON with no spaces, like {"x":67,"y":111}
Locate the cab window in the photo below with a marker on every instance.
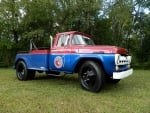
{"x":63,"y":41}
{"x":82,"y":40}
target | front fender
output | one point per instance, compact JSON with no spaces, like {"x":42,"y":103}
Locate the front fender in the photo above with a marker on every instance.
{"x":107,"y":61}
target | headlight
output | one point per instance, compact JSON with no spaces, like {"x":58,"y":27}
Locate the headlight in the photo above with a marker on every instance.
{"x":117,"y":58}
{"x":129,"y":59}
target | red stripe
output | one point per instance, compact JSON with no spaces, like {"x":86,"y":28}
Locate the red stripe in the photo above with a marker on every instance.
{"x":40,"y":51}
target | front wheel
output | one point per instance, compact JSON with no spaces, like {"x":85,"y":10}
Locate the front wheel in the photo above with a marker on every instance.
{"x":91,"y":76}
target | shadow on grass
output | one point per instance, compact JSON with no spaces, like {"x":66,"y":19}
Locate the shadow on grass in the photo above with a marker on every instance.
{"x":59,"y":77}
{"x":59,"y":80}
{"x":72,"y":80}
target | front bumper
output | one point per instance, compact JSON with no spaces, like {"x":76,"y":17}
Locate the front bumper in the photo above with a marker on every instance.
{"x":123,"y":74}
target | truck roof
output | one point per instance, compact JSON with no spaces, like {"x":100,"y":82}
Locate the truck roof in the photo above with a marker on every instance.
{"x":74,"y":32}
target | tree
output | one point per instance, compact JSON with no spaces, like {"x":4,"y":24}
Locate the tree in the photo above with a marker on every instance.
{"x":10,"y":16}
{"x":77,"y":15}
{"x":113,"y":22}
{"x":120,"y":13}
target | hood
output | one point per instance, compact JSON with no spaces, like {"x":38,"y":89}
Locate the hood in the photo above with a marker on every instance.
{"x":102,"y":49}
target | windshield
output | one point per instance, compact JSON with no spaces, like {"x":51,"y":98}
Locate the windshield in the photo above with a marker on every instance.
{"x":81,"y":39}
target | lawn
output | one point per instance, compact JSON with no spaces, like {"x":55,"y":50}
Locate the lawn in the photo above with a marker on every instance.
{"x":64,"y":95}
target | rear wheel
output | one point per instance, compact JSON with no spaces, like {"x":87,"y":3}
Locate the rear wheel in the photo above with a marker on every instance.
{"x":91,"y":76}
{"x":22,"y":72}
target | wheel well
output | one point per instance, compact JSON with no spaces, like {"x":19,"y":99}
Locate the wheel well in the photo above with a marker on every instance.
{"x":18,"y":61}
{"x":81,"y":61}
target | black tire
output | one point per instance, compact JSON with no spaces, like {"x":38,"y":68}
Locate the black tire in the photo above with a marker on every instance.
{"x":22,"y":72}
{"x":91,"y":76}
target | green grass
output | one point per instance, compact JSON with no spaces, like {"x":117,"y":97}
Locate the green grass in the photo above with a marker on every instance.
{"x":64,"y":95}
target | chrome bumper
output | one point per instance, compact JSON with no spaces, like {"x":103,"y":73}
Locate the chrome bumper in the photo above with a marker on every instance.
{"x":123,"y":74}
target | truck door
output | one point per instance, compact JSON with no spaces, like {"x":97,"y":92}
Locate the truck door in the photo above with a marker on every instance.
{"x":60,"y":55}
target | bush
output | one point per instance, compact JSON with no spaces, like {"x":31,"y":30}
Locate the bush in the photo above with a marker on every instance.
{"x":3,"y":64}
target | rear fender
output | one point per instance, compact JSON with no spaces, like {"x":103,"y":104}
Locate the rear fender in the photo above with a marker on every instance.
{"x":25,"y":60}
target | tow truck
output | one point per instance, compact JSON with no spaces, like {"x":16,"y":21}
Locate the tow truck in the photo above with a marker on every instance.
{"x":75,"y":52}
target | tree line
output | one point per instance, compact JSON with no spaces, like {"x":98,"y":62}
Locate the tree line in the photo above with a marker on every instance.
{"x":124,"y":23}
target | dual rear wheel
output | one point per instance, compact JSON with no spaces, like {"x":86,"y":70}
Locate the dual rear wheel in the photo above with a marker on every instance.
{"x":23,"y":73}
